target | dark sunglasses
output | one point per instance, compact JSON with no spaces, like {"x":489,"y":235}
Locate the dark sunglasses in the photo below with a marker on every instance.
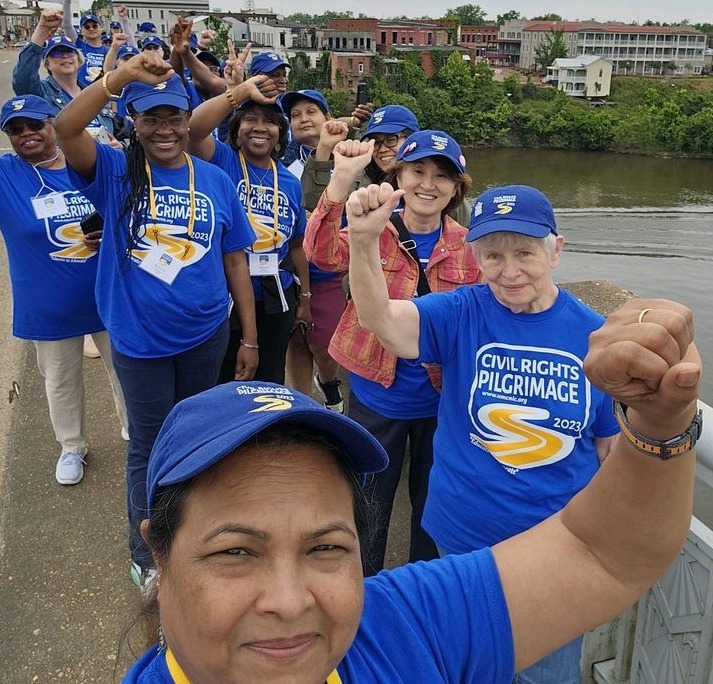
{"x":17,"y":127}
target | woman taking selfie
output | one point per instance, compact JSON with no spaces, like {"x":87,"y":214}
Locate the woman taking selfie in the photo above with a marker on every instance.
{"x":172,"y":255}
{"x":256,"y":519}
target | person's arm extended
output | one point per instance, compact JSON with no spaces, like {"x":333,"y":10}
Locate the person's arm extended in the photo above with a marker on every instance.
{"x":78,"y":145}
{"x":299,"y":261}
{"x":67,"y":21}
{"x":117,"y":42}
{"x":26,"y":74}
{"x":604,"y":445}
{"x":241,"y":290}
{"x":394,"y":321}
{"x":123,"y":13}
{"x":586,"y":564}
{"x":206,"y":117}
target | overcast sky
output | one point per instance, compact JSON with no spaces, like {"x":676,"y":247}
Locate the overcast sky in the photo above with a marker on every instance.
{"x":696,"y":11}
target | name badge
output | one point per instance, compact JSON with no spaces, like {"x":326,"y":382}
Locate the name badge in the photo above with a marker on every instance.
{"x":49,"y":205}
{"x":296,"y":168}
{"x":161,"y":265}
{"x":263,"y":264}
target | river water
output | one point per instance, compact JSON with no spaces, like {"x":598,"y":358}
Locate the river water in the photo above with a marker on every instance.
{"x":643,"y":223}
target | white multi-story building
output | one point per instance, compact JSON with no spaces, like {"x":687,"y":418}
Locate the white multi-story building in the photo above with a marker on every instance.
{"x":162,"y":13}
{"x":584,"y":76}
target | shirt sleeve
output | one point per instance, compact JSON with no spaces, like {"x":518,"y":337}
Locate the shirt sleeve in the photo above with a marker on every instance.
{"x":446,"y":620}
{"x":108,"y":174}
{"x":438,"y":326}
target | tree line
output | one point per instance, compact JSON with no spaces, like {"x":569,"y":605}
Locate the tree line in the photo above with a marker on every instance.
{"x":644,"y":115}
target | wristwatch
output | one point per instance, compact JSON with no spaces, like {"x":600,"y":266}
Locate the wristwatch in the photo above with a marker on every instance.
{"x":664,"y":450}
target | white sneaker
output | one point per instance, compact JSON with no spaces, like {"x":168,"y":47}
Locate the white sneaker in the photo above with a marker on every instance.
{"x":90,"y":349}
{"x":125,"y":435}
{"x":70,"y":468}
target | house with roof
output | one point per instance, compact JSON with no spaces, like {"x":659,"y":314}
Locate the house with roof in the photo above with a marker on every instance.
{"x":583,"y":76}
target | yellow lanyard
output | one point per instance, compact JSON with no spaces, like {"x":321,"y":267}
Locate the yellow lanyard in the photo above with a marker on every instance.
{"x":179,"y":676}
{"x":253,"y":219}
{"x":191,"y":201}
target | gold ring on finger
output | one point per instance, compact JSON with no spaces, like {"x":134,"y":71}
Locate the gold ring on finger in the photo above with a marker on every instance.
{"x":642,"y":314}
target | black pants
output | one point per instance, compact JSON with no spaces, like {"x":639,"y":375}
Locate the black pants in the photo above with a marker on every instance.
{"x":393,"y":435}
{"x":273,"y":336}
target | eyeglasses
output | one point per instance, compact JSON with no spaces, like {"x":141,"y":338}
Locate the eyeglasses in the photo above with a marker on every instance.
{"x":388,"y":141}
{"x":57,"y":53}
{"x":90,"y":25}
{"x":153,"y":123}
{"x":17,"y":127}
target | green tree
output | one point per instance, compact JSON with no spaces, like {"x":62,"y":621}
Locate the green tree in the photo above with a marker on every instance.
{"x":551,"y":48}
{"x":466,"y":15}
{"x":551,"y":16}
{"x":512,"y":15}
{"x":222,"y":34}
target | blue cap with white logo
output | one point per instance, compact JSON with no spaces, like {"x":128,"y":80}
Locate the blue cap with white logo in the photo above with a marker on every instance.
{"x":428,"y":143}
{"x":126,"y":51}
{"x":59,"y":42}
{"x":512,"y":209}
{"x":391,"y":119}
{"x":266,"y":63}
{"x":114,"y":25}
{"x":89,"y":17}
{"x":289,"y":100}
{"x":26,"y":106}
{"x":202,"y":430}
{"x":152,"y":40}
{"x":143,"y":96}
{"x":147,"y":27}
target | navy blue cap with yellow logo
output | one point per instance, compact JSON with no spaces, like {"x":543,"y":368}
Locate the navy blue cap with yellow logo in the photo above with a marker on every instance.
{"x":203,"y":429}
{"x":512,"y":209}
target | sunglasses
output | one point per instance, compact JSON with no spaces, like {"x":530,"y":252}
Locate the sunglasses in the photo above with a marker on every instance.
{"x":60,"y":52}
{"x":388,"y":141}
{"x":17,"y":127}
{"x":152,"y":123}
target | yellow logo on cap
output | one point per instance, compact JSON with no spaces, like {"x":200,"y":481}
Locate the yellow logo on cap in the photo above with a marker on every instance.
{"x":160,"y":86}
{"x":504,"y":209}
{"x":271,"y":404}
{"x":18,"y":105}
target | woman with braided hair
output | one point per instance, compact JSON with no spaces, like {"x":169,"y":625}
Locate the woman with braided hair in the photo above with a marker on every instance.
{"x":174,"y":235}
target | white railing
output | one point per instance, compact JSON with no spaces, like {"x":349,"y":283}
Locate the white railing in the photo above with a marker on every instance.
{"x":667,"y":637}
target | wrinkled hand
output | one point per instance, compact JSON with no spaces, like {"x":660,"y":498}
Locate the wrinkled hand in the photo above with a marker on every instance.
{"x":363,"y":113}
{"x":246,"y":363}
{"x":262,"y":89}
{"x":648,"y":362}
{"x":234,"y":71}
{"x":353,"y":156}
{"x":93,"y":240}
{"x":369,"y":209}
{"x":122,"y":11}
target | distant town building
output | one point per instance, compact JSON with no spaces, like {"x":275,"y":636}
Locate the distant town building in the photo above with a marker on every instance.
{"x":584,"y":76}
{"x":534,"y":33}
{"x":479,"y":39}
{"x":348,"y":68}
{"x":507,"y":52}
{"x":356,"y":35}
{"x":416,"y":33}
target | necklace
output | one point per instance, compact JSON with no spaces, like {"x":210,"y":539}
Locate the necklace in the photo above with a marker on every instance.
{"x":259,"y":182}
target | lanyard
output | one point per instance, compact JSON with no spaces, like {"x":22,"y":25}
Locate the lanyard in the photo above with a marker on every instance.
{"x":179,"y":676}
{"x":191,"y":200}
{"x":253,"y":219}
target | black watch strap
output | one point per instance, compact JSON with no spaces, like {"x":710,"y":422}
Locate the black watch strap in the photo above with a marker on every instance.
{"x":664,"y":450}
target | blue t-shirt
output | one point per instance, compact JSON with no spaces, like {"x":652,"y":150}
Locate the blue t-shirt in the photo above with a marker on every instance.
{"x":51,"y":271}
{"x":441,"y":622}
{"x":517,"y":419}
{"x":145,"y":316}
{"x":411,"y":395}
{"x":260,"y":208}
{"x":93,"y":61}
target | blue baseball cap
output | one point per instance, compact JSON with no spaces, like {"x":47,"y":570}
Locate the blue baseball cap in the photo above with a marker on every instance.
{"x":289,"y":100}
{"x":114,"y":24}
{"x":26,"y":106}
{"x":431,"y":144}
{"x":127,"y":51}
{"x":266,"y":63}
{"x":147,"y":27}
{"x":205,"y":428}
{"x":143,"y":96}
{"x":152,"y":40}
{"x":89,"y":17}
{"x":512,"y":209}
{"x":106,"y":37}
{"x":391,"y":119}
{"x":59,"y":42}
